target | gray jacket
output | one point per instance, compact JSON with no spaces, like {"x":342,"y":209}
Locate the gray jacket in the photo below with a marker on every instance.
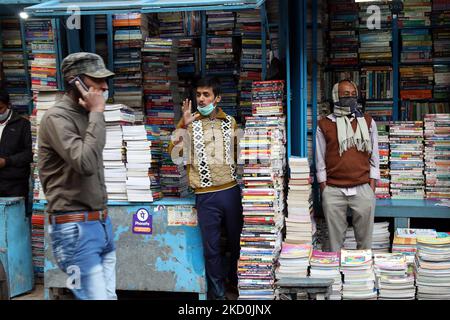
{"x":71,"y":142}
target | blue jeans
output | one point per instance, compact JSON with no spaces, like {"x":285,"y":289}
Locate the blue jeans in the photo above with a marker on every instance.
{"x":86,"y":252}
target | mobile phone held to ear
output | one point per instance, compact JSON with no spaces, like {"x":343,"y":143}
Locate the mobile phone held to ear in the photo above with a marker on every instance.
{"x":77,"y":78}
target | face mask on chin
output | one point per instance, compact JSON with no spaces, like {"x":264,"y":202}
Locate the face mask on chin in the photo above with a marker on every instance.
{"x":207,"y":110}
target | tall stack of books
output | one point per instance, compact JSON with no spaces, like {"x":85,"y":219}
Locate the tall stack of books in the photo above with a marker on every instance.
{"x":417,"y":46}
{"x":171,"y":24}
{"x":415,"y":13}
{"x":375,"y":39}
{"x":380,"y":238}
{"x":40,"y":36}
{"x":405,"y":242}
{"x":130,"y":29}
{"x":268,"y":98}
{"x":382,"y":187}
{"x":154,"y":136}
{"x":300,"y":224}
{"x":416,"y":82}
{"x":37,"y":241}
{"x":293,"y":261}
{"x":188,"y":65}
{"x":160,"y":82}
{"x":263,"y":155}
{"x":343,"y":38}
{"x":138,"y":162}
{"x":441,"y":88}
{"x":437,"y":156}
{"x":249,"y":26}
{"x":432,"y":267}
{"x":43,"y":100}
{"x":392,"y":279}
{"x":325,"y":265}
{"x":13,"y":67}
{"x":115,"y":171}
{"x":406,"y":156}
{"x":221,"y":55}
{"x":101,"y":41}
{"x":359,"y":278}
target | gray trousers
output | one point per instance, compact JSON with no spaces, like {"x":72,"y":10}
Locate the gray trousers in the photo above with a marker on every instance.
{"x":362,"y":207}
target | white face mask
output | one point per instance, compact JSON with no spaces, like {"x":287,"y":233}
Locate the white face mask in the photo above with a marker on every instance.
{"x":106,"y":94}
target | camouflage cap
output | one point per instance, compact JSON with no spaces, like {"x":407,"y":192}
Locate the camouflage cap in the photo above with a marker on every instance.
{"x":87,"y":63}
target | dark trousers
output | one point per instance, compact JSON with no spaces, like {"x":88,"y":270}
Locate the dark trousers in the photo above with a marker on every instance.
{"x":214,"y":210}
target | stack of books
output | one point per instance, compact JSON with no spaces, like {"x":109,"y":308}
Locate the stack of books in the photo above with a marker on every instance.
{"x":300,"y":224}
{"x":417,"y":45}
{"x":380,"y":238}
{"x":441,"y":88}
{"x":115,"y":171}
{"x":375,"y":40}
{"x":405,"y":242}
{"x":263,"y":156}
{"x":392,"y":279}
{"x":40,"y":37}
{"x":187,"y":63}
{"x":382,"y":187}
{"x":415,"y":13}
{"x":343,"y":38}
{"x":437,"y":156}
{"x":376,"y":83}
{"x":154,"y":136}
{"x":220,"y":23}
{"x":441,"y":39}
{"x":293,"y":261}
{"x":37,"y":241}
{"x":162,"y":102}
{"x":406,"y":155}
{"x":43,"y":100}
{"x":138,"y":162}
{"x":130,"y":29}
{"x":416,"y":82}
{"x":249,"y":26}
{"x":440,"y":14}
{"x":359,"y":278}
{"x":326,"y":265}
{"x":171,"y":24}
{"x":268,"y":98}
{"x":432,"y":267}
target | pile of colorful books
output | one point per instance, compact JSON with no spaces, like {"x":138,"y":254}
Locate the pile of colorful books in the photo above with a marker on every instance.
{"x":325,"y":265}
{"x":268,"y":98}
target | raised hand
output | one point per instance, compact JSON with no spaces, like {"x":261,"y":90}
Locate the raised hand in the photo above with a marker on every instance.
{"x":188,"y":117}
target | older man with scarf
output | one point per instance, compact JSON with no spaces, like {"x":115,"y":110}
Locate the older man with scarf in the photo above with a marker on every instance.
{"x":347,"y":163}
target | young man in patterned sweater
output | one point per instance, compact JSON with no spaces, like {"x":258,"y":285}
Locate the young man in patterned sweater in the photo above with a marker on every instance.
{"x":208,"y":139}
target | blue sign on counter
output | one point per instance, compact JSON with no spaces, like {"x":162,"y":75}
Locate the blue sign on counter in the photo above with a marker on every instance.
{"x":142,"y":222}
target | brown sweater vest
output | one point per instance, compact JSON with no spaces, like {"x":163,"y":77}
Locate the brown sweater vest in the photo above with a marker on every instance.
{"x":353,"y":168}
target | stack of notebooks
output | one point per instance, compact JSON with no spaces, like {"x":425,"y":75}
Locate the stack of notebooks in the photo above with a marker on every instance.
{"x":138,"y":162}
{"x":263,"y":156}
{"x":359,"y":278}
{"x":380,"y":238}
{"x":405,"y":242}
{"x":37,"y":242}
{"x":268,"y":98}
{"x":392,"y":279}
{"x":129,"y":31}
{"x":249,"y":26}
{"x":375,"y":40}
{"x":293,"y":261}
{"x":416,"y":82}
{"x":40,"y":36}
{"x":325,"y":265}
{"x":43,"y":100}
{"x":154,"y":136}
{"x":415,"y":13}
{"x":416,"y":110}
{"x":441,"y":88}
{"x":437,"y":156}
{"x":343,"y":38}
{"x":300,"y":225}
{"x":382,"y":187}
{"x":432,"y":267}
{"x":406,"y":156}
{"x":115,"y":172}
{"x":162,"y":103}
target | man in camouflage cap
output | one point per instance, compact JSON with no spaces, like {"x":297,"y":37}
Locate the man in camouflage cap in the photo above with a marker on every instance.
{"x":71,"y":142}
